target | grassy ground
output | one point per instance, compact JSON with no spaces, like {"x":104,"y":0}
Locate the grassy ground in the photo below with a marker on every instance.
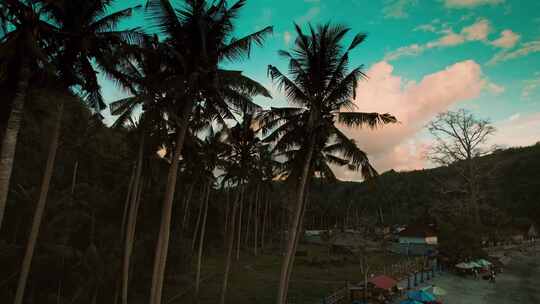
{"x":255,"y":279}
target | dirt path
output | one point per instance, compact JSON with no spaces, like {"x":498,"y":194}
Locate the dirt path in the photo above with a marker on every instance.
{"x":517,"y":285}
{"x":520,"y":283}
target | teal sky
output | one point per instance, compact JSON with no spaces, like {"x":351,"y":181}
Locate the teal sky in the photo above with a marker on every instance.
{"x":488,"y":50}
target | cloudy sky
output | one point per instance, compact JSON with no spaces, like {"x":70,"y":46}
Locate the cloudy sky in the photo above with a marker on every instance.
{"x":422,"y":58}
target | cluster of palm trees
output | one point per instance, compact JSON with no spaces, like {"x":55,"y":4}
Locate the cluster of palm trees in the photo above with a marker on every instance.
{"x":200,"y":117}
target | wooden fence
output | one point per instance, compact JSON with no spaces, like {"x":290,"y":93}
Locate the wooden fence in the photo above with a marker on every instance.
{"x":399,"y":271}
{"x":337,"y":296}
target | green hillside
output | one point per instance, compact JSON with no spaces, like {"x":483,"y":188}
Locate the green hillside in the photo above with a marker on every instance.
{"x":511,"y":190}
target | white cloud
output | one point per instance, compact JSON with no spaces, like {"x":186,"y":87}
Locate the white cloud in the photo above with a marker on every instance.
{"x":449,"y":39}
{"x":523,"y":50}
{"x":426,"y":28}
{"x":508,"y":39}
{"x":414,"y":104}
{"x":397,"y":8}
{"x":470,"y":3}
{"x":474,"y":32}
{"x":287,"y":37}
{"x":494,"y":88}
{"x":518,"y":130}
{"x":309,"y":15}
{"x":410,"y":50}
{"x":477,"y":31}
{"x":530,"y":86}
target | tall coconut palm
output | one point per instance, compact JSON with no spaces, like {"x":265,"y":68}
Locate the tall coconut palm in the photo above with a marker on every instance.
{"x":200,"y":38}
{"x":239,"y":166}
{"x":84,"y":32}
{"x":322,"y":86}
{"x":140,"y":69}
{"x":88,"y":33}
{"x":21,"y":52}
{"x":212,"y":148}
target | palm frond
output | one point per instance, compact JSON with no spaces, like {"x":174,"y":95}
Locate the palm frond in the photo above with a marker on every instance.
{"x":344,"y":88}
{"x":243,"y":84}
{"x":241,"y":48}
{"x":163,"y":17}
{"x":110,"y":22}
{"x":359,"y":119}
{"x":292,"y":91}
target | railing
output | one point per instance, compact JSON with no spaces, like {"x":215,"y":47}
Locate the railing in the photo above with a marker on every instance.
{"x":336,"y":297}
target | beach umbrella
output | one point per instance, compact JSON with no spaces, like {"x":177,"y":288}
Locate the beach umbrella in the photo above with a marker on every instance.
{"x":420,"y":295}
{"x":483,"y":263}
{"x":464,"y":266}
{"x":475,"y":265}
{"x":435,"y":290}
{"x":410,"y":302}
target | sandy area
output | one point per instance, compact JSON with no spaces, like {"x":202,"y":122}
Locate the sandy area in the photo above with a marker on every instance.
{"x":519,"y":283}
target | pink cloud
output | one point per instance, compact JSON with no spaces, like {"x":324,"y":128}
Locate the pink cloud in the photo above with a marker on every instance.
{"x":524,"y":49}
{"x":477,"y":31}
{"x":470,"y":3}
{"x":450,"y":39}
{"x":414,"y":104}
{"x":508,"y":39}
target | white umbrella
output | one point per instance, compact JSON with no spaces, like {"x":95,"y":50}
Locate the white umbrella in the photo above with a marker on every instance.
{"x":435,"y":290}
{"x":464,"y":266}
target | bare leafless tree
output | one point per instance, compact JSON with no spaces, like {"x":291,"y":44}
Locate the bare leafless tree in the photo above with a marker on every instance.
{"x":460,"y":137}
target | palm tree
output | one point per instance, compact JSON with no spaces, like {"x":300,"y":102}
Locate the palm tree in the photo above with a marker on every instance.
{"x":212,"y":148}
{"x":200,"y":38}
{"x":88,"y":32}
{"x":321,"y":86}
{"x":140,"y":69}
{"x":83,"y":32}
{"x":239,"y":166}
{"x":21,"y":51}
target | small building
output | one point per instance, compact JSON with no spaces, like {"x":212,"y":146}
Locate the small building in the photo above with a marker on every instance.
{"x":418,"y":234}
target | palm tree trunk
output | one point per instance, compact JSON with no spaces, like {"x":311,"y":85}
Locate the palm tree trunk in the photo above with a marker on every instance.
{"x":226,"y":221}
{"x":9,"y":140}
{"x":186,"y":205}
{"x":160,"y":259}
{"x":249,"y":216}
{"x":74,"y":177}
{"x":239,"y":229}
{"x":201,"y":242}
{"x":228,"y":259}
{"x":298,"y":234}
{"x":264,"y":221}
{"x":132,"y":221}
{"x":197,"y":223}
{"x":127,"y":203}
{"x":40,"y":208}
{"x":256,"y":221}
{"x":293,"y":229}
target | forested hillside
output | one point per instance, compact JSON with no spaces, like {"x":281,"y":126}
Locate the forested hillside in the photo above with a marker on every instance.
{"x":511,"y":189}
